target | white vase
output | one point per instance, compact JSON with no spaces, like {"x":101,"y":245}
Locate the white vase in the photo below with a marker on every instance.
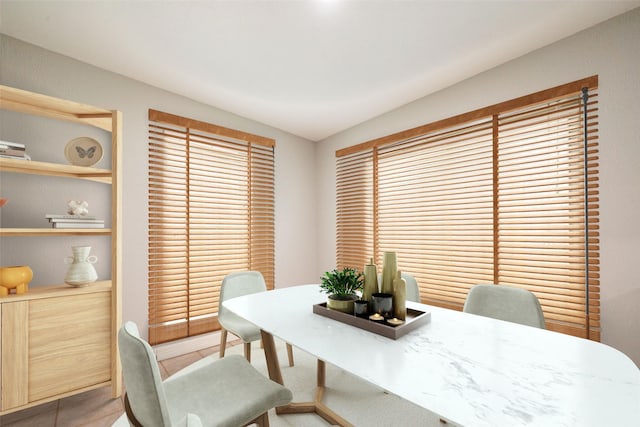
{"x":81,"y":271}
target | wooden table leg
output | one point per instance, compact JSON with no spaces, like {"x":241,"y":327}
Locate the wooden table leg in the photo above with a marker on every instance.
{"x":271,"y":357}
{"x":317,"y":406}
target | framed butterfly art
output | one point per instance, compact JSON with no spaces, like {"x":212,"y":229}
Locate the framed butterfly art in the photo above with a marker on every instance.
{"x":83,"y":151}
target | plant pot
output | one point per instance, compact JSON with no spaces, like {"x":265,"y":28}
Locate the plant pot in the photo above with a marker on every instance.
{"x":343,"y":304}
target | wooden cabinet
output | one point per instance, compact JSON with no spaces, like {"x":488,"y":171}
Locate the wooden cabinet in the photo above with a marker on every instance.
{"x":57,"y":340}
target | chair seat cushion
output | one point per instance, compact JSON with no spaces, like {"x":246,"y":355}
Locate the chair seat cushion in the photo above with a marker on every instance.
{"x":222,"y":392}
{"x":240,"y":327}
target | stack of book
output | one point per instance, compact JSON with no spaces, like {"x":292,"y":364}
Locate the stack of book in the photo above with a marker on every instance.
{"x":13,"y":150}
{"x":74,"y":221}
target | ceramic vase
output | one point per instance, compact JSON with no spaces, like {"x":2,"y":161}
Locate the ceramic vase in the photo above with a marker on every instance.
{"x":370,"y":281}
{"x":81,"y":271}
{"x":399,"y":297}
{"x":389,"y":270}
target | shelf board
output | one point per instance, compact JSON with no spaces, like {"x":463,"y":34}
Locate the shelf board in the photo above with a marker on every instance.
{"x":47,"y":106}
{"x":55,"y":169}
{"x":50,"y":291}
{"x":8,"y":232}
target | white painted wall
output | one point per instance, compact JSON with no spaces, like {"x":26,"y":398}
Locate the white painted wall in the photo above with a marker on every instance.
{"x":611,"y":50}
{"x":31,"y":68}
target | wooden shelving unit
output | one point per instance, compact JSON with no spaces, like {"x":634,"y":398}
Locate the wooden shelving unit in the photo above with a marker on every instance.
{"x":56,"y":341}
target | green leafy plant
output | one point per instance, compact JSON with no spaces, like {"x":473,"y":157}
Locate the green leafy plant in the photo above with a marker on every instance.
{"x":341,"y":284}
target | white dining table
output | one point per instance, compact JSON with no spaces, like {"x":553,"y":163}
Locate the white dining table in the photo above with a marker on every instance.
{"x":467,"y":369}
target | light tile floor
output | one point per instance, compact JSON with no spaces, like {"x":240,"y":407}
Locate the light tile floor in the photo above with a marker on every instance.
{"x":95,"y":408}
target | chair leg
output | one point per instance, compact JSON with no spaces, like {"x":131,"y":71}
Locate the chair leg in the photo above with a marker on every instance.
{"x":247,"y":351}
{"x":290,"y":354}
{"x":130,"y":416}
{"x":223,"y":342}
{"x":261,"y":421}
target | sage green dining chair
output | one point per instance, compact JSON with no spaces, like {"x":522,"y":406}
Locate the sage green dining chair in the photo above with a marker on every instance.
{"x":210,"y":392}
{"x":236,"y":285}
{"x":505,"y":303}
{"x":413,"y":291}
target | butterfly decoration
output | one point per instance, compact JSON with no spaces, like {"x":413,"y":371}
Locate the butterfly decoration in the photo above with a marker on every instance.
{"x":89,"y":152}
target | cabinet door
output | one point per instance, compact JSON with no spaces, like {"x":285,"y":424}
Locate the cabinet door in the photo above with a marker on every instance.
{"x":70,"y":343}
{"x":14,"y":341}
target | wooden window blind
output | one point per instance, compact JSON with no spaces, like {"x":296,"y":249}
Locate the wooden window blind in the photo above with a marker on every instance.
{"x":501,"y":195}
{"x":211,"y":212}
{"x":355,"y":208}
{"x":443,"y":233}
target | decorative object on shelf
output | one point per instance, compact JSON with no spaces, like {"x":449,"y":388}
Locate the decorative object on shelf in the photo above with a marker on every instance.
{"x":77,"y":207}
{"x":3,"y":202}
{"x":13,"y":150}
{"x":399,"y":297}
{"x":370,"y":281}
{"x":382,"y":303}
{"x":15,"y":277}
{"x":361,"y":308}
{"x":389,"y":270}
{"x":341,"y":286}
{"x":81,"y":271}
{"x":83,"y":151}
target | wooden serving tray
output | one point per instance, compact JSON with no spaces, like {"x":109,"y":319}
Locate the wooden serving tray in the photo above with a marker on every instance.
{"x":415,"y":319}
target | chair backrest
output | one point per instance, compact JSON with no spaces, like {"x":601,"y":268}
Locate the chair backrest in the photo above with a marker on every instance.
{"x":142,"y":378}
{"x":239,"y":284}
{"x":413,"y":292}
{"x":505,"y":303}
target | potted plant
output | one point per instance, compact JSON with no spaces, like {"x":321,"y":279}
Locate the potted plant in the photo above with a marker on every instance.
{"x":341,"y":286}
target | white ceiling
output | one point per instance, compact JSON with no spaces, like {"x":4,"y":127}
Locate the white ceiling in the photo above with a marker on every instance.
{"x":312,"y":68}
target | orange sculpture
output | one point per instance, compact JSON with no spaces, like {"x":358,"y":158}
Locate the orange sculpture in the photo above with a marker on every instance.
{"x":15,"y":277}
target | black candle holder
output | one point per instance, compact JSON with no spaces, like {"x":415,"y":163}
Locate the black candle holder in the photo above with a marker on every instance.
{"x":361,"y":308}
{"x":382,"y":303}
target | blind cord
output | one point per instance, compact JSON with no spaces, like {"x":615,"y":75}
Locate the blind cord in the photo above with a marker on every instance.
{"x":585,"y":99}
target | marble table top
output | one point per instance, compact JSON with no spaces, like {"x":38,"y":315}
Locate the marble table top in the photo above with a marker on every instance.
{"x":468,"y":369}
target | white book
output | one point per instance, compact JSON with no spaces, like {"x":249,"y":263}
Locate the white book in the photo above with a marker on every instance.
{"x":17,"y":157}
{"x":76,"y":225}
{"x":78,"y":220}
{"x":9,"y":144}
{"x":67,"y":216}
{"x":12,"y":152}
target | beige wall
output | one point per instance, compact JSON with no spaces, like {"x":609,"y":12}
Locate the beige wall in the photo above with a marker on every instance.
{"x":28,"y":67}
{"x":611,"y":50}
